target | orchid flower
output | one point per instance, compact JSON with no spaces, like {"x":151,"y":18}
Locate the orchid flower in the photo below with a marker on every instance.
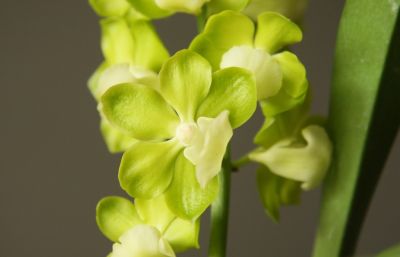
{"x":183,"y":129}
{"x":294,"y":153}
{"x":133,"y":52}
{"x":145,"y":227}
{"x":231,"y":39}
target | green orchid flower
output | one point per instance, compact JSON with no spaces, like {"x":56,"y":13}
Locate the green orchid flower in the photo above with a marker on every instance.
{"x":293,"y":9}
{"x":295,"y":153}
{"x":133,"y":53}
{"x":183,"y":129}
{"x":231,"y":39}
{"x":146,"y":227}
{"x":155,"y":9}
{"x":305,"y":159}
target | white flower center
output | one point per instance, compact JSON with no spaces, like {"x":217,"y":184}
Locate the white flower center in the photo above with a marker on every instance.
{"x":186,"y":133}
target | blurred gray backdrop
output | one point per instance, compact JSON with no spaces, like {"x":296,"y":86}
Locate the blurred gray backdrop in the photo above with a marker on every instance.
{"x":54,"y":166}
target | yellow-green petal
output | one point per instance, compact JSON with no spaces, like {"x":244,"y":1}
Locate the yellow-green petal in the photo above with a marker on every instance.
{"x":283,"y":125}
{"x":192,"y":6}
{"x":93,"y":82}
{"x":276,"y":191}
{"x":115,"y":215}
{"x":275,"y":31}
{"x":305,"y":160}
{"x":185,"y":197}
{"x":265,"y":68}
{"x":117,"y":43}
{"x":185,"y":80}
{"x":139,"y":111}
{"x":294,"y":74}
{"x":150,"y":52}
{"x":150,"y":8}
{"x":155,"y":212}
{"x":282,"y":102}
{"x":183,"y":234}
{"x":222,"y":32}
{"x":147,"y":168}
{"x":110,"y":7}
{"x":116,"y":140}
{"x":233,"y":90}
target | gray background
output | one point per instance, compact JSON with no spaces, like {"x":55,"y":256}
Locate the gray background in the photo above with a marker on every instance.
{"x":54,"y":166}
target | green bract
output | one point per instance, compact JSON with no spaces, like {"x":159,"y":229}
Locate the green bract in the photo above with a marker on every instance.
{"x":133,"y":53}
{"x":231,"y":39}
{"x":148,"y":226}
{"x":183,"y":129}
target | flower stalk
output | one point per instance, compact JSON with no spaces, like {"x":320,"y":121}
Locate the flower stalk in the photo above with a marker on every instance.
{"x":220,"y":211}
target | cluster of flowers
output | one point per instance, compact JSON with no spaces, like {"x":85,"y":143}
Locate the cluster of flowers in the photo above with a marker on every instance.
{"x":173,"y":117}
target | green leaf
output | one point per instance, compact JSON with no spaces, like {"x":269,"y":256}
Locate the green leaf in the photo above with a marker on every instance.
{"x":115,"y":139}
{"x":155,"y":212}
{"x":116,"y":41}
{"x":294,"y":74}
{"x":364,"y":119}
{"x":185,"y":81}
{"x":222,"y":32}
{"x":393,"y":251}
{"x":274,"y":32}
{"x":110,"y":7}
{"x":139,"y":111}
{"x":146,"y":169}
{"x":234,"y":90}
{"x":115,"y":215}
{"x":185,"y":197}
{"x":149,"y":8}
{"x":183,"y":234}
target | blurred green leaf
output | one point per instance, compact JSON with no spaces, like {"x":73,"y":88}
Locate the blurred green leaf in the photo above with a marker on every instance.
{"x":364,"y":119}
{"x":393,"y":251}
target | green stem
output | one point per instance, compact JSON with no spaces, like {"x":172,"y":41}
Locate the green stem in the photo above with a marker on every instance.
{"x":220,"y":212}
{"x":240,"y":162}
